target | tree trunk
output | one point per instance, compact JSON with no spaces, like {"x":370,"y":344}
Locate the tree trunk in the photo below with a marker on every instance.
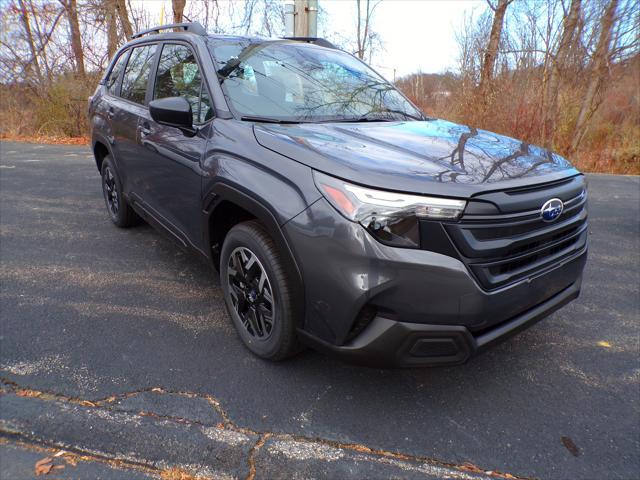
{"x":42,"y":37}
{"x":178,"y":10}
{"x":365,"y":33}
{"x":71,"y":8}
{"x":360,"y":51}
{"x":491,"y":53}
{"x":24,"y":17}
{"x":123,"y":15}
{"x":599,"y":71}
{"x":363,"y":27}
{"x":112,"y":27}
{"x":558,"y":64}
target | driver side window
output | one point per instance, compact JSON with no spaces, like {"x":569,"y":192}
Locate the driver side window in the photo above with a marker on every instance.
{"x":179,"y":76}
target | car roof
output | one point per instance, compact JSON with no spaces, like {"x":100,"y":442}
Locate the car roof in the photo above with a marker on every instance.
{"x":194,"y":30}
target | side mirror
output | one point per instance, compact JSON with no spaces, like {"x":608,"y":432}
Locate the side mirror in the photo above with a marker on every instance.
{"x":173,"y":112}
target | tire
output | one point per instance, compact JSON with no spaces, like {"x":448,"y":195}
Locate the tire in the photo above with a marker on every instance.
{"x":119,"y":210}
{"x":249,"y":283}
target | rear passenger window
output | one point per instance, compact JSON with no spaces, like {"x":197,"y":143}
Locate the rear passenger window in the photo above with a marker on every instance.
{"x":136,"y":75}
{"x":179,"y":76}
{"x":114,"y":75}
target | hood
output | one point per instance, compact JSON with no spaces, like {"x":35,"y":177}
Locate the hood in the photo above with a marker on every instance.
{"x":431,"y":157}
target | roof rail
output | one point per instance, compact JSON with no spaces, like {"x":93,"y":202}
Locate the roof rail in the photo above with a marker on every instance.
{"x":321,"y":42}
{"x":192,"y":27}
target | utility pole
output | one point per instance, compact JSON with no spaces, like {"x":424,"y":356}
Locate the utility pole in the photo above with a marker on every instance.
{"x":305,"y":18}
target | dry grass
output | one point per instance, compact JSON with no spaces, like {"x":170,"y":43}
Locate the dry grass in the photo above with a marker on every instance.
{"x":514,"y":108}
{"x":57,"y":115}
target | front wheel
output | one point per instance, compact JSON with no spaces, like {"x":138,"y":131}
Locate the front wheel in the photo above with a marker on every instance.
{"x":258,"y":292}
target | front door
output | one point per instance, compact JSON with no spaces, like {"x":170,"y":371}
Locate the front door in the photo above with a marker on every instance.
{"x":174,"y":177}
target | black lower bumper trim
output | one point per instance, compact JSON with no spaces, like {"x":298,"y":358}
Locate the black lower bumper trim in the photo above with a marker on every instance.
{"x":387,"y":343}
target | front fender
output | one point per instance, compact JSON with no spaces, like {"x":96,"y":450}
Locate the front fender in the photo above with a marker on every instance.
{"x":270,"y":187}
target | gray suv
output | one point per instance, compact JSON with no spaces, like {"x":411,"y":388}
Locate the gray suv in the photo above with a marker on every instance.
{"x":338,"y":215}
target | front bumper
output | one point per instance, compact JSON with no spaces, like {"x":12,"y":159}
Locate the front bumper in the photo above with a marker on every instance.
{"x":427,"y":308}
{"x":387,"y":342}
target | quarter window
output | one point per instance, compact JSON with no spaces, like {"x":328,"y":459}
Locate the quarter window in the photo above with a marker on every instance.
{"x":136,"y":75}
{"x":179,"y":76}
{"x":112,"y":79}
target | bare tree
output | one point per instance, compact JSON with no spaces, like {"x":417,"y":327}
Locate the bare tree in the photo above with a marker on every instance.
{"x":491,"y":52}
{"x":112,"y":26}
{"x":471,"y":38}
{"x":599,"y":72}
{"x":365,"y":36}
{"x":272,"y":17}
{"x":24,"y":18}
{"x":123,"y":15}
{"x":178,"y":10}
{"x":557,"y":66}
{"x":71,"y":8}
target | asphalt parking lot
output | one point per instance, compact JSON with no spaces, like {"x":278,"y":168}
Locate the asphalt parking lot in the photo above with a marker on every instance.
{"x":115,"y":347}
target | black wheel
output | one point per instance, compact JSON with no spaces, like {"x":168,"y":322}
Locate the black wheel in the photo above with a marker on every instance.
{"x":119,"y":210}
{"x":258,"y":292}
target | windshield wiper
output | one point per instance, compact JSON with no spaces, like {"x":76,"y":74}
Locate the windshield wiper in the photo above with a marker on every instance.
{"x":380,"y":117}
{"x":249,"y":118}
{"x":359,"y":120}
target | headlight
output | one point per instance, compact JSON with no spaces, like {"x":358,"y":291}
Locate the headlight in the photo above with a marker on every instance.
{"x":391,"y":217}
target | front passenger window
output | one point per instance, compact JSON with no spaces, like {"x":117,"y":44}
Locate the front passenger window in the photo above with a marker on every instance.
{"x":179,"y":76}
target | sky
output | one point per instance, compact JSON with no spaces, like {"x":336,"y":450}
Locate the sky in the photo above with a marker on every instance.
{"x":417,"y":35}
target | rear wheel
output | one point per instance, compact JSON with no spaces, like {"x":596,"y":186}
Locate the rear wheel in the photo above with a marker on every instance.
{"x":119,"y":210}
{"x":258,"y":292}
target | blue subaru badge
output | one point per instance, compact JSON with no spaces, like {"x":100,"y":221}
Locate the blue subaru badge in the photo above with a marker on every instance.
{"x":551,"y":209}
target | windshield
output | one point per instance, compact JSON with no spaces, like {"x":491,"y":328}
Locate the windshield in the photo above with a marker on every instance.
{"x":291,"y":81}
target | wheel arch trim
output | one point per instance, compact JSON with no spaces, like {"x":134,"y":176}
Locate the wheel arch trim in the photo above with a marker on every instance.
{"x":223,"y":191}
{"x":100,"y":139}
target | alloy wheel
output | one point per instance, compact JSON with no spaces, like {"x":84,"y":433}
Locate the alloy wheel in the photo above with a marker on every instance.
{"x":111,"y":191}
{"x":251,"y":293}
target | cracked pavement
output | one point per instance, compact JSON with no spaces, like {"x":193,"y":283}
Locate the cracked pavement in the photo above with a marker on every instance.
{"x":115,"y":347}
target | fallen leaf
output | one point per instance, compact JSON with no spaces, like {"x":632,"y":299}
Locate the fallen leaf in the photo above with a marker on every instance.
{"x":87,"y":403}
{"x":59,"y":454}
{"x":43,"y":466}
{"x":28,"y":393}
{"x":176,"y":474}
{"x":43,"y":461}
{"x":604,"y":344}
{"x":471,"y":467}
{"x":569,"y":445}
{"x":71,"y":459}
{"x":45,"y":139}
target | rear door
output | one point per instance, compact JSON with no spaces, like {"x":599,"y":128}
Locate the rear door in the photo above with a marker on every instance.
{"x":130,"y":109}
{"x":105,"y":109}
{"x":174,"y":175}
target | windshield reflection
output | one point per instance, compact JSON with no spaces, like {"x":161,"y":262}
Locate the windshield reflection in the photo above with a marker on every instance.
{"x":292,"y":81}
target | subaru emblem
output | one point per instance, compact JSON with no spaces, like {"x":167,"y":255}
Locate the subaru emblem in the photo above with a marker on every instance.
{"x":551,"y":209}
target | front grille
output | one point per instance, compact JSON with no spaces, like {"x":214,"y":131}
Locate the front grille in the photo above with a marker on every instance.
{"x":503,"y":248}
